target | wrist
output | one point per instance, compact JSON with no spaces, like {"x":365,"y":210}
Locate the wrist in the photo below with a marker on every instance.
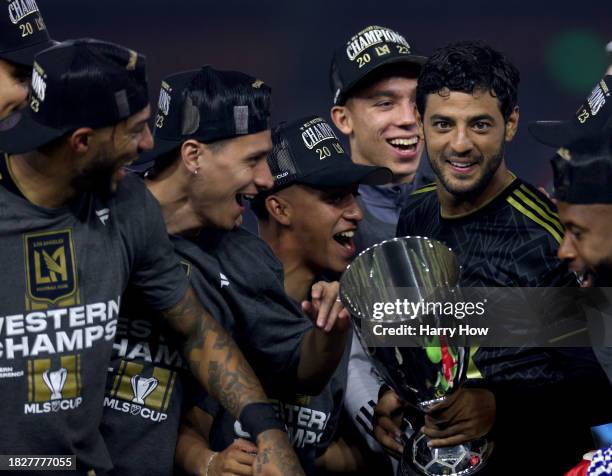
{"x":260,"y":417}
{"x":207,"y":469}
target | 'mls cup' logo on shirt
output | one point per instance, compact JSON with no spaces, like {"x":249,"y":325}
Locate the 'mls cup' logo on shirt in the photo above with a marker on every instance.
{"x":147,"y":397}
{"x":50,"y":268}
{"x":54,"y":387}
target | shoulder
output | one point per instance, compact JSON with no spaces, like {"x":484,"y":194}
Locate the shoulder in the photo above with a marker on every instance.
{"x":423,"y":200}
{"x":537,"y":213}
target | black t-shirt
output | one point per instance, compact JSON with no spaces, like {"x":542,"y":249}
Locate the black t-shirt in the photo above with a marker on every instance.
{"x":65,"y":271}
{"x":268,"y":327}
{"x":509,"y":242}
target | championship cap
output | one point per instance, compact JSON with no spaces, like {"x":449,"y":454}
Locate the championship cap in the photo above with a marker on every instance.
{"x":368,"y":50}
{"x":592,"y":117}
{"x":308,"y":152}
{"x":22,"y":32}
{"x":207,"y":105}
{"x":582,"y":166}
{"x":77,"y":83}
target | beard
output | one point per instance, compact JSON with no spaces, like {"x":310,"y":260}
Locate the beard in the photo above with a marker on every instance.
{"x":97,"y":175}
{"x":489,"y":166}
{"x":602,"y":273}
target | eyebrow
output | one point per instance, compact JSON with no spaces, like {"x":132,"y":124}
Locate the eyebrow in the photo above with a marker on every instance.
{"x":477,"y":118}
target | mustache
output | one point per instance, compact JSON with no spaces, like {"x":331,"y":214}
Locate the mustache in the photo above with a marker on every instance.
{"x":465,"y":155}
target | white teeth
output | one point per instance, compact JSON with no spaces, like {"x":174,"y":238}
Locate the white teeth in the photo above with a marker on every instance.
{"x":404,"y":142}
{"x":248,"y":196}
{"x":461,"y":166}
{"x":347,"y":234}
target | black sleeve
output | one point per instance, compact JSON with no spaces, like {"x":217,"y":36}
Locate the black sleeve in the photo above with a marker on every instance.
{"x":156,"y":271}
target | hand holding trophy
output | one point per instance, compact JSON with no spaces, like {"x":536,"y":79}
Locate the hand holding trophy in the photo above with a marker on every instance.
{"x":424,"y":370}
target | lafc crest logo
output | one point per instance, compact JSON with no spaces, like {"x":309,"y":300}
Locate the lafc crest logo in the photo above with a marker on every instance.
{"x":52,"y":385}
{"x":50,"y":266}
{"x":147,"y":396}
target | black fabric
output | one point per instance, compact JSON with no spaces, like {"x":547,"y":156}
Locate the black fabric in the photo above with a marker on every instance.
{"x":68,"y":268}
{"x":366,"y":51}
{"x":107,"y":77}
{"x":256,"y":418}
{"x":546,"y":398}
{"x":23,"y":32}
{"x":268,"y":327}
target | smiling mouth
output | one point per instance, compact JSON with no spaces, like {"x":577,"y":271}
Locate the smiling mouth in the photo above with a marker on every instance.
{"x":345,"y":239}
{"x":586,"y":279}
{"x":404,"y":145}
{"x":240,"y":197}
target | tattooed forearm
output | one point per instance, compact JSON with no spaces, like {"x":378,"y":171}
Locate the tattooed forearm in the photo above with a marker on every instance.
{"x":274,"y":449}
{"x":214,"y":358}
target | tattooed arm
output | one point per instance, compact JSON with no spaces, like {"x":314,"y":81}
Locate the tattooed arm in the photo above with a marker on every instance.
{"x":220,"y":367}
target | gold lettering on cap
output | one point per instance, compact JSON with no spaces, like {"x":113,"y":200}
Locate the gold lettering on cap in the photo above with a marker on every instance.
{"x":258,"y":83}
{"x":131,"y":66}
{"x":564,"y":153}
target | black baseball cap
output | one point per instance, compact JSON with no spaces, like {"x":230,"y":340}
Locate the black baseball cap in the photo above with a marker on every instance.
{"x":307,"y":151}
{"x":77,"y":83}
{"x":582,"y":165}
{"x":592,"y":117}
{"x":23,"y":32}
{"x":207,"y":105}
{"x":368,"y":50}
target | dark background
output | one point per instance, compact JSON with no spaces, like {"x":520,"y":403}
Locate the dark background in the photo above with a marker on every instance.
{"x":559,"y":46}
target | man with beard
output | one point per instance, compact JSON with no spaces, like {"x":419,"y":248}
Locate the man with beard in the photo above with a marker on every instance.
{"x":86,"y":233}
{"x":373,"y":78}
{"x":22,"y":34}
{"x":583,"y":172}
{"x":505,"y":234}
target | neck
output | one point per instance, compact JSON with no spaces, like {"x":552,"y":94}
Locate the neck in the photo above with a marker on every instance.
{"x":299,"y":278}
{"x":44,"y":180}
{"x":453,"y":205}
{"x":170,"y":190}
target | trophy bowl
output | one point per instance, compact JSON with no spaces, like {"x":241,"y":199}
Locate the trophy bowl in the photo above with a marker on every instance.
{"x":422,"y":371}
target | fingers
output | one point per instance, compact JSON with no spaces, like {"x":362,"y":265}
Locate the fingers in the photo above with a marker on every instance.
{"x":453,"y":435}
{"x":387,"y":434}
{"x":245,"y":445}
{"x":329,"y":294}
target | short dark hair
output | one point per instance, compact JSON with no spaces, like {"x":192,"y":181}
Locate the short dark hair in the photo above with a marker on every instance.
{"x":468,"y":66}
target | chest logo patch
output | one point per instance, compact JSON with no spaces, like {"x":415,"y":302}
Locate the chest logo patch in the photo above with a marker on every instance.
{"x":50,"y":266}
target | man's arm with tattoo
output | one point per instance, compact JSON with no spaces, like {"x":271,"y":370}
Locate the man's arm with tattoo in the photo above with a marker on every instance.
{"x":219,"y":366}
{"x":214,"y":358}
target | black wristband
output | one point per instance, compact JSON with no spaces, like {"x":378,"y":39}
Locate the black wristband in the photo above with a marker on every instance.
{"x":256,"y":418}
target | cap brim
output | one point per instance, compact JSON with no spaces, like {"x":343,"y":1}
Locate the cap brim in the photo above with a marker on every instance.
{"x":346,"y":175}
{"x":25,"y":56}
{"x":408,"y":59}
{"x":552,"y":133}
{"x":20,"y":133}
{"x":161,"y":147}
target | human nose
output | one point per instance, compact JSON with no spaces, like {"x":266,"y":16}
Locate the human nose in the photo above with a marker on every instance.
{"x":263,"y":177}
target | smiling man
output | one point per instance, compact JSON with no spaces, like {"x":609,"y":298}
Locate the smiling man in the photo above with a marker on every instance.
{"x":373,"y":78}
{"x":582,"y":170}
{"x":505,"y":234}
{"x":76,"y":234}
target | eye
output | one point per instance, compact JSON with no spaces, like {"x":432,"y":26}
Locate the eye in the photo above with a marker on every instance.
{"x":441,"y":125}
{"x":481,"y":126}
{"x":385,"y":104}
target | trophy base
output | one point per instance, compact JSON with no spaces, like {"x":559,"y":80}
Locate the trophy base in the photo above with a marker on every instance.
{"x":461,"y":460}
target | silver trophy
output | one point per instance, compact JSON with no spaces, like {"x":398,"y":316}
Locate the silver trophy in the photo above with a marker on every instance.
{"x":423,"y":370}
